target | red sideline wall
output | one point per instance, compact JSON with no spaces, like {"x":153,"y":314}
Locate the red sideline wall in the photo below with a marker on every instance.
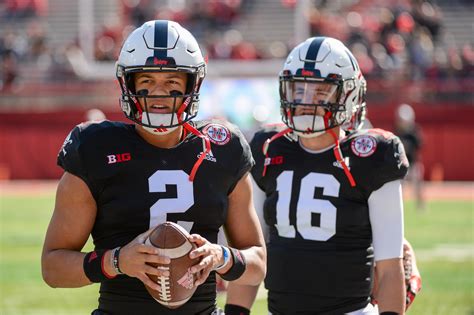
{"x":448,"y":136}
{"x":29,"y":142}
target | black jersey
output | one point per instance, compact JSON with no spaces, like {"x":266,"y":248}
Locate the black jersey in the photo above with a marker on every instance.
{"x":137,"y":186}
{"x":320,"y":254}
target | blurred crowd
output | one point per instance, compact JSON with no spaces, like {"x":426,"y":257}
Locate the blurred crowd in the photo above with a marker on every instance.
{"x":391,"y":39}
{"x":211,"y":21}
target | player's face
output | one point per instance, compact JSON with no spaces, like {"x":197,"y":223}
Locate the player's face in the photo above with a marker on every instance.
{"x":313,"y":93}
{"x":161,"y":84}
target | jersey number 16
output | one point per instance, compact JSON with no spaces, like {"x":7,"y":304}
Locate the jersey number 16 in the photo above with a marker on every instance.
{"x":306,"y":206}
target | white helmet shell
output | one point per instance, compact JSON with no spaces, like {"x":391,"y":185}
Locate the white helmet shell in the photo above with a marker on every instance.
{"x":322,"y":60}
{"x":161,"y":40}
{"x":325,"y":55}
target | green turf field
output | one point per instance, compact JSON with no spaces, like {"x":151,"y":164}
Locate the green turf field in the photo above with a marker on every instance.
{"x":442,"y":237}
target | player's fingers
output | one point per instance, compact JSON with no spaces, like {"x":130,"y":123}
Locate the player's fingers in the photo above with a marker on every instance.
{"x":202,"y":277}
{"x":142,"y":237}
{"x":200,"y":251}
{"x":152,"y":258}
{"x":159,"y":271}
{"x":147,"y":281}
{"x":199,"y":279}
{"x":163,"y":271}
{"x":150,"y":270}
{"x":147,"y":249}
{"x":204,"y":263}
{"x":197,"y":239}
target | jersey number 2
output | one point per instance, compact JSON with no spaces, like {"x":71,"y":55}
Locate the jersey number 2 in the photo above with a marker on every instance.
{"x":183,"y":201}
{"x":306,"y":206}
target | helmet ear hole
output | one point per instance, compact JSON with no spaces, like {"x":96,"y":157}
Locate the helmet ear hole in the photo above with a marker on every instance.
{"x":191,"y":82}
{"x":130,"y":82}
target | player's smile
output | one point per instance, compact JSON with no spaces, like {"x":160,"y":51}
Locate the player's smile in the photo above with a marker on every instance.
{"x":309,"y":110}
{"x":160,"y":109}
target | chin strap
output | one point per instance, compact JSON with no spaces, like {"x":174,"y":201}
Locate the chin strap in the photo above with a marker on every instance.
{"x":340,"y":159}
{"x":206,"y":148}
{"x":266,"y":144}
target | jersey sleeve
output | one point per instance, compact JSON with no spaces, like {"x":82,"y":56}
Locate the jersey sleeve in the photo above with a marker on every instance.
{"x":377,"y":157}
{"x":256,"y":145}
{"x":392,"y":164}
{"x":69,"y":156}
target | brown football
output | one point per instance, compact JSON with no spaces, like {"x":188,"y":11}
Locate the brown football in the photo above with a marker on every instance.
{"x":177,"y":289}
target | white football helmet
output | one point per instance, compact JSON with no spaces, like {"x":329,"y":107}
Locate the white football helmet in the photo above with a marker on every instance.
{"x":319,"y":72}
{"x":358,"y":119}
{"x":160,"y":46}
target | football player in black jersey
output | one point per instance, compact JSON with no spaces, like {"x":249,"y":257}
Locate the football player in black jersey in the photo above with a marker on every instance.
{"x":332,"y":202}
{"x":121,"y":180}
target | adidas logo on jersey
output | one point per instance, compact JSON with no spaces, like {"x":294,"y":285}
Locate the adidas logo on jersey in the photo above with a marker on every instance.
{"x":209,"y":157}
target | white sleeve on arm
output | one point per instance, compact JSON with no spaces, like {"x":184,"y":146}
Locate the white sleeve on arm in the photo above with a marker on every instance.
{"x":258,"y":201}
{"x":386,"y":218}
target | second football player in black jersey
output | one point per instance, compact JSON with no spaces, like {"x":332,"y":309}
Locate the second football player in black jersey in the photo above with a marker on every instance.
{"x":332,"y":203}
{"x":121,"y":180}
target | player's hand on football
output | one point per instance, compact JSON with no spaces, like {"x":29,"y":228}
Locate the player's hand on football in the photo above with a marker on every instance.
{"x":210,"y":255}
{"x":134,"y":257}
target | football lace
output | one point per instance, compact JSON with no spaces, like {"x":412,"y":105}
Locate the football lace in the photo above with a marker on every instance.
{"x":165,"y":290}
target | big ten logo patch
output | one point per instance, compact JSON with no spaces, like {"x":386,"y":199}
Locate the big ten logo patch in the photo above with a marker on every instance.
{"x":118,"y":158}
{"x":274,"y":160}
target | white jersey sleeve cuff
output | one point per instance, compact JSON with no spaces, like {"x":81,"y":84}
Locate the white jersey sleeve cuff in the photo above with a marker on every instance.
{"x":386,"y":219}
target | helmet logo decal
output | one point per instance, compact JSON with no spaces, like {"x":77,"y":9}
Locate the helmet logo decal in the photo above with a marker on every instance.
{"x":218,"y":134}
{"x":364,"y":146}
{"x":315,"y":73}
{"x":157,"y":61}
{"x":160,"y":61}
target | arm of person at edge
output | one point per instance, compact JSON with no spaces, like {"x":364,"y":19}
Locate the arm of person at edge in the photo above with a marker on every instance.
{"x":245,"y":295}
{"x":70,"y":226}
{"x":243,"y":232}
{"x":386,"y":216}
{"x":412,"y":276}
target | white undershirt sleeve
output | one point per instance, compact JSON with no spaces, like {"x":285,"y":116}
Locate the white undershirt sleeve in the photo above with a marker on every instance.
{"x":258,"y":201}
{"x":386,"y":218}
